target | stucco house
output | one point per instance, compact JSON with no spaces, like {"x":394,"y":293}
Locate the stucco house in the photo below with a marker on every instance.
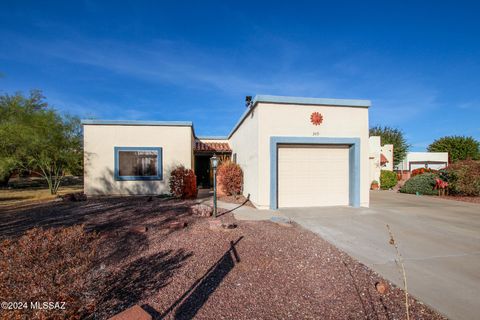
{"x":416,"y":160}
{"x":381,"y":158}
{"x":294,"y":152}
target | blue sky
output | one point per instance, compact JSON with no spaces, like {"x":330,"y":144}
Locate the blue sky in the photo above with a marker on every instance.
{"x":418,"y":61}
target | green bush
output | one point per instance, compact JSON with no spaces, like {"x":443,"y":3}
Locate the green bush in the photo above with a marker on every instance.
{"x":422,"y":184}
{"x":463,"y":177}
{"x":388,"y":179}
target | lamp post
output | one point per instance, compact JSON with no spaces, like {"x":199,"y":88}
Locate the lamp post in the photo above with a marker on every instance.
{"x":214,"y":160}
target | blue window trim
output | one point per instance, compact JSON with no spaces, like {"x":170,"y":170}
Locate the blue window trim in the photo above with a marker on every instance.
{"x":159,"y":175}
{"x":354,"y":164}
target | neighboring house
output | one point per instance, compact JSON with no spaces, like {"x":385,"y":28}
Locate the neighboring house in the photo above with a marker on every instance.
{"x":294,"y":152}
{"x":386,"y":157}
{"x":432,"y":160}
{"x":381,"y":158}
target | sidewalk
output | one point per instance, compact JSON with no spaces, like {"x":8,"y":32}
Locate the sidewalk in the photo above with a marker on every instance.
{"x":240,"y":212}
{"x":244,"y":212}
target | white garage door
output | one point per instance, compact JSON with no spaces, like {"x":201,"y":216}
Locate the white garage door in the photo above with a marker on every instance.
{"x":310,"y":176}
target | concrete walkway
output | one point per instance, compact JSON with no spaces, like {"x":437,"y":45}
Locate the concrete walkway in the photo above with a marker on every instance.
{"x":243,"y":212}
{"x":439,"y":240}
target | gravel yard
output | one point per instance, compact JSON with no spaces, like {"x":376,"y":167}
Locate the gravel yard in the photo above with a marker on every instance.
{"x":463,"y":198}
{"x":259,"y":270}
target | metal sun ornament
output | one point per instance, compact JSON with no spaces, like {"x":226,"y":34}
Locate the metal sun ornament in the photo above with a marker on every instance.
{"x":316,"y":118}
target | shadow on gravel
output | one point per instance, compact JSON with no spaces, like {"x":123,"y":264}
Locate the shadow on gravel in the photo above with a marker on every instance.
{"x":99,"y":214}
{"x":141,"y":278}
{"x":369,"y":304}
{"x":195,"y":297}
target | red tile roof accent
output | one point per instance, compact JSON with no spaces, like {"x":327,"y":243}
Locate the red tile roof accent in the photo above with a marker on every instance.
{"x":212,"y":146}
{"x":383,"y":159}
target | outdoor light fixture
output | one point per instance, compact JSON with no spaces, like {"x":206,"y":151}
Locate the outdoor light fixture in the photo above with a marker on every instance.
{"x":248,"y":101}
{"x":214,"y":160}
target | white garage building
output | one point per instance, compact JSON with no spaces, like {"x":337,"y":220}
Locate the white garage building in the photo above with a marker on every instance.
{"x":294,"y":152}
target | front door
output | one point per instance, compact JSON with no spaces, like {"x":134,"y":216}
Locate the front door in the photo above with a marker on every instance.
{"x":202,"y":171}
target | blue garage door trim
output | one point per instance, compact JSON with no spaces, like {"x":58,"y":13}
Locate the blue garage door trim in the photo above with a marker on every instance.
{"x":158,"y":176}
{"x":354,"y":163}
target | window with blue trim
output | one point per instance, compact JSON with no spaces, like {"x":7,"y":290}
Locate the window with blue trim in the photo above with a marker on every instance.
{"x":138,"y":163}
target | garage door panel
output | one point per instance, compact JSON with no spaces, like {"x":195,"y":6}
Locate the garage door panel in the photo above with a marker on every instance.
{"x":313,"y":176}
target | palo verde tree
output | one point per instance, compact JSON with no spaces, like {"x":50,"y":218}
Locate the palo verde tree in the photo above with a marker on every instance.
{"x":393,"y":136}
{"x":36,"y":138}
{"x":458,"y":147}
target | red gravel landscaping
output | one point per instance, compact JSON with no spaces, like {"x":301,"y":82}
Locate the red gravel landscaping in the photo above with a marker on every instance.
{"x":462,"y":198}
{"x":259,"y":270}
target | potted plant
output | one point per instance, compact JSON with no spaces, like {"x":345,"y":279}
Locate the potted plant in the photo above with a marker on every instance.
{"x":374,"y":185}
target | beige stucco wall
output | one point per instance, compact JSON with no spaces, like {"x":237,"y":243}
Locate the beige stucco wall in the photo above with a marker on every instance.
{"x":99,"y":142}
{"x":294,"y":121}
{"x":244,"y":142}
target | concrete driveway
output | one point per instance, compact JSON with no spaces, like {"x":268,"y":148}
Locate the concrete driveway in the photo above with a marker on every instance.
{"x":439,"y":240}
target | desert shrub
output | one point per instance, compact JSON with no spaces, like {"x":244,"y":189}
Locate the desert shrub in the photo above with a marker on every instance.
{"x":463,"y":177}
{"x":423,"y":184}
{"x":416,"y":172}
{"x":183,"y":183}
{"x":52,"y":265}
{"x":230,"y":177}
{"x":388,"y":179}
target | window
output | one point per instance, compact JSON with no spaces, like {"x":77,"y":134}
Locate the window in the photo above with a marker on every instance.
{"x":234,"y":158}
{"x":138,"y":163}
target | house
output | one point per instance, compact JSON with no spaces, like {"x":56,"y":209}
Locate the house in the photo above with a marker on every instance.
{"x":415,"y":160}
{"x":294,"y":152}
{"x":380,"y":158}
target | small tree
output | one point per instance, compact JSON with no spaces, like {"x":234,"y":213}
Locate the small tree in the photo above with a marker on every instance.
{"x":458,"y":147}
{"x":34,"y":137}
{"x":55,"y":149}
{"x":393,"y":136}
